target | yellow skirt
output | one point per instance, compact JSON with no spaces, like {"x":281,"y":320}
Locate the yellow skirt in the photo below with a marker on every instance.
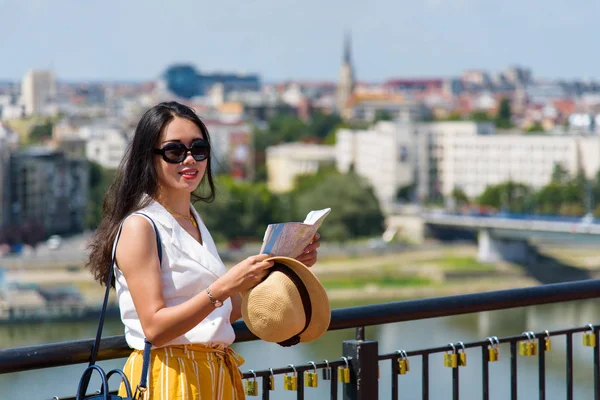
{"x":188,"y":372}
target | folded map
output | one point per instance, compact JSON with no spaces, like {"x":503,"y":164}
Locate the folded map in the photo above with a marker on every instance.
{"x":288,"y":239}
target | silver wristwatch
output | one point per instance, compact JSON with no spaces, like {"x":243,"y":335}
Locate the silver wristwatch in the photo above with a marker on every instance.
{"x":215,"y":302}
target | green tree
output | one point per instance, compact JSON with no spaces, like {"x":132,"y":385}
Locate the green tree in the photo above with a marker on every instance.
{"x":560,"y":175}
{"x":382,"y":115}
{"x":41,"y":132}
{"x":504,"y":117}
{"x":355,"y":211}
{"x":535,"y":128}
{"x":240,"y":210}
{"x":480,"y":116}
{"x":511,"y":196}
{"x":406,"y":193}
{"x":321,"y":125}
{"x":459,"y":196}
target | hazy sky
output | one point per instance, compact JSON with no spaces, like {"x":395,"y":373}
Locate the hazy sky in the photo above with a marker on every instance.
{"x":281,"y":39}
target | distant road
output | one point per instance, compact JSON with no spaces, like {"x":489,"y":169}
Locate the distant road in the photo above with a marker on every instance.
{"x":71,"y":252}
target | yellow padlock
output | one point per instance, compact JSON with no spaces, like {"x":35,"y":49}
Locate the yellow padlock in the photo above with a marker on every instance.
{"x":311,"y":379}
{"x":547,"y":342}
{"x":251,"y":386}
{"x":344,"y":372}
{"x":462,"y":356}
{"x":406,"y":361}
{"x":589,"y":338}
{"x":271,"y":380}
{"x":451,"y":359}
{"x":290,"y":382}
{"x":493,"y":349}
{"x":528,"y":348}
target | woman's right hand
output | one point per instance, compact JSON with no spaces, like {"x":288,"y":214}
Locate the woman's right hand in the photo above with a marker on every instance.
{"x":247,"y":274}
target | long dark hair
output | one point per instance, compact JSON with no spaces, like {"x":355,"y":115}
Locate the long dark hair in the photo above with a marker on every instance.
{"x":135,"y":178}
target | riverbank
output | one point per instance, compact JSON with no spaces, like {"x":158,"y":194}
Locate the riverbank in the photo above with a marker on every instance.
{"x":376,"y":275}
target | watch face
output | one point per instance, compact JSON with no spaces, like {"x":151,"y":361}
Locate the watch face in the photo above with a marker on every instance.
{"x":218,"y":303}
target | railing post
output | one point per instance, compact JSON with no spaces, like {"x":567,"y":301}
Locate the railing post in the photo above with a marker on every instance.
{"x":364,"y":359}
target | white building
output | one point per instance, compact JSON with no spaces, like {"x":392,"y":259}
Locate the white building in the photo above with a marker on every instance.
{"x":474,"y":162}
{"x":105,"y":145}
{"x":430,"y":141}
{"x":285,"y":162}
{"x":38,"y":92}
{"x":384,"y":155}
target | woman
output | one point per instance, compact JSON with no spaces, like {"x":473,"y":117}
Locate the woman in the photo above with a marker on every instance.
{"x":185,"y":304}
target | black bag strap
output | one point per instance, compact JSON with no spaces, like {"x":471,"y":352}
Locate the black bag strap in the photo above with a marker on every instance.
{"x":147,"y":344}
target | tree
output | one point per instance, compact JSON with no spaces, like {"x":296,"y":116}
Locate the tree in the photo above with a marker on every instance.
{"x":504,"y":116}
{"x":459,"y":196}
{"x":382,"y":115}
{"x":41,"y":132}
{"x":560,"y":175}
{"x":321,"y":125}
{"x":511,"y":196}
{"x":406,"y":193}
{"x":355,"y":209}
{"x":480,"y":116}
{"x":240,"y":210}
{"x":535,"y":128}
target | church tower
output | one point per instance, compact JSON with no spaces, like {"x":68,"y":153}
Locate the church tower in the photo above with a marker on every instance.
{"x":346,"y":77}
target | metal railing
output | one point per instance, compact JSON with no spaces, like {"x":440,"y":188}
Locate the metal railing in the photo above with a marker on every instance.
{"x":360,"y":362}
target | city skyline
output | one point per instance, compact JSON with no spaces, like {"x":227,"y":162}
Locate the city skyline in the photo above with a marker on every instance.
{"x":103,"y":41}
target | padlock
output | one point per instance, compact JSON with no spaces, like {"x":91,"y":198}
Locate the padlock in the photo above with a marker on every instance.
{"x":589,"y":338}
{"x":344,"y":372}
{"x":493,"y":349}
{"x":327,"y":371}
{"x":403,"y":362}
{"x":547,"y":342}
{"x":271,"y":380}
{"x":290,"y":382}
{"x":462,"y":356}
{"x":311,"y":379}
{"x":451,"y":359}
{"x":406,"y":361}
{"x":534,"y":344}
{"x":251,"y":386}
{"x":528,"y":348}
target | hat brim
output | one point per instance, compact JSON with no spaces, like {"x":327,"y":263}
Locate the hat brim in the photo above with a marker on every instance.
{"x":321,"y":310}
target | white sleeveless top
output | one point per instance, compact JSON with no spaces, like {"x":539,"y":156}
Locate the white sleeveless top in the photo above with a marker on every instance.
{"x":187,"y":269}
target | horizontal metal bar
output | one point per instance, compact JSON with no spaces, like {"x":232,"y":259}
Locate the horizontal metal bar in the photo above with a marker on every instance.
{"x":480,"y":343}
{"x":75,"y":352}
{"x":463,"y":304}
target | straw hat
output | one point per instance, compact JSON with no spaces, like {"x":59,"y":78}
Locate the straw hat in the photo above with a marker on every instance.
{"x":289,"y":306}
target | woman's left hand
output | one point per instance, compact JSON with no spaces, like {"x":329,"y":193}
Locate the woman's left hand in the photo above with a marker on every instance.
{"x":308,"y":256}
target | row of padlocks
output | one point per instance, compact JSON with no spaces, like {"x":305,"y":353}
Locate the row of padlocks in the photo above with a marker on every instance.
{"x":454,"y":358}
{"x":311,"y":378}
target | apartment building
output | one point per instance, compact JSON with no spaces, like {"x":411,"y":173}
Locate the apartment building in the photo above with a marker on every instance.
{"x":38,"y":92}
{"x":474,"y":162}
{"x":285,"y":162}
{"x":385,"y":155}
{"x":49,"y":189}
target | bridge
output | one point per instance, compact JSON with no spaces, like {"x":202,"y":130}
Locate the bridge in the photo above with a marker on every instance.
{"x":503,"y":236}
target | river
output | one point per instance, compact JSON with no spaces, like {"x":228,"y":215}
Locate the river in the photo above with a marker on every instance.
{"x":62,"y":381}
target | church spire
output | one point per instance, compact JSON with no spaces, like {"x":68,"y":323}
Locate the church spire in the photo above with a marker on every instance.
{"x":348,"y":48}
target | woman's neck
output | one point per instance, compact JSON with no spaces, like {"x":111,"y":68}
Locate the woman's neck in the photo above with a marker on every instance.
{"x":175,"y":202}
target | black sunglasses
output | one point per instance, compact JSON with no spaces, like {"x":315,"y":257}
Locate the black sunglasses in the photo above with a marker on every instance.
{"x":175,"y":152}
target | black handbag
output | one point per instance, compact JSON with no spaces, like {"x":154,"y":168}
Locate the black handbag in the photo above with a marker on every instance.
{"x":103,"y":393}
